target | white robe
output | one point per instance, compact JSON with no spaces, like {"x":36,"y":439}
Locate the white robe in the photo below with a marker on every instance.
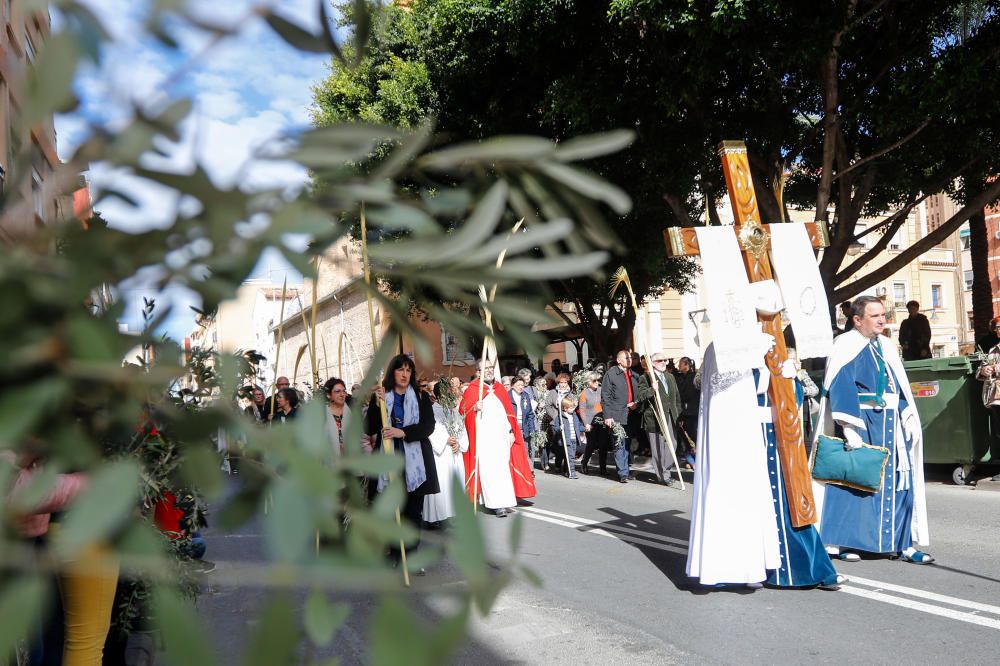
{"x":493,"y":442}
{"x":733,"y":537}
{"x":439,"y":506}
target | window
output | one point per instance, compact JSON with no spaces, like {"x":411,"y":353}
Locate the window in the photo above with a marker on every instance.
{"x":937,"y":296}
{"x":896,"y":242}
{"x":899,"y":295}
{"x":937,"y":351}
{"x":454,"y":350}
{"x":968,"y":280}
{"x":971,"y":322}
{"x":36,"y":193}
{"x":29,"y":48}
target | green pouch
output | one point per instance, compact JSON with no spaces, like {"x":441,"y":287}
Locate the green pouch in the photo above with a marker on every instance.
{"x":861,"y":469}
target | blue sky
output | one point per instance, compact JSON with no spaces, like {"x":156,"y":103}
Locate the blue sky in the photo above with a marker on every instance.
{"x":247,"y":90}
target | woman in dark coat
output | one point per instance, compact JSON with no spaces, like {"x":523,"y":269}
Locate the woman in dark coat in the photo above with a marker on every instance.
{"x":410,"y":415}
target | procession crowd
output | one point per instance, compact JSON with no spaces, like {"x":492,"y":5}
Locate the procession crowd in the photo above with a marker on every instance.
{"x":492,"y":435}
{"x":488,"y":437}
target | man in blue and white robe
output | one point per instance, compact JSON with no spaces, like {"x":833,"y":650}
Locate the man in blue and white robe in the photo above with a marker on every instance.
{"x":867,"y":399}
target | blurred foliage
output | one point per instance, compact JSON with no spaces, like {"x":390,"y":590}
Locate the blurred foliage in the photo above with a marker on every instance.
{"x":69,"y":402}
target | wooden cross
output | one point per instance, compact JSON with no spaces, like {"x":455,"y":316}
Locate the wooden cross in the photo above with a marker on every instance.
{"x":754,"y":242}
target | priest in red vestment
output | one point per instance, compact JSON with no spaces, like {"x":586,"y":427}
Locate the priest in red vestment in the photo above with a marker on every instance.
{"x":496,"y":464}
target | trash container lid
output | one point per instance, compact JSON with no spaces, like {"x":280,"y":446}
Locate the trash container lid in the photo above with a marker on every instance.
{"x":951,"y":363}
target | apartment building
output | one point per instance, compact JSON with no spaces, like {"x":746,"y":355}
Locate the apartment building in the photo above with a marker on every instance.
{"x":23,"y":35}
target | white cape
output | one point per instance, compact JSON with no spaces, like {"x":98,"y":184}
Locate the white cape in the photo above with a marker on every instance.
{"x":733,"y":535}
{"x":845,"y":348}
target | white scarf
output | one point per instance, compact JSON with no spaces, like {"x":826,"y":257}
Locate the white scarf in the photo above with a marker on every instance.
{"x":416,"y":473}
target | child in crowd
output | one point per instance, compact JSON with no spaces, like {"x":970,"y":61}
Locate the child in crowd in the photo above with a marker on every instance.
{"x":570,"y":436}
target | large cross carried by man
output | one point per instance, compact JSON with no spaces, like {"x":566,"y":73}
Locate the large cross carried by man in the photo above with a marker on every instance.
{"x":735,"y":298}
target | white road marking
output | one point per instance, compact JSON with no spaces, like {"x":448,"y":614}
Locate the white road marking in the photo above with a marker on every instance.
{"x":583,"y":522}
{"x":961,"y":616}
{"x":602,"y":532}
{"x":664,"y":543}
{"x":922,"y":594}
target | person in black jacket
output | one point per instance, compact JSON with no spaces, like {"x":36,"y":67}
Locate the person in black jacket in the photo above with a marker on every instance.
{"x":619,"y":396}
{"x":411,"y":421}
{"x":690,"y":395}
{"x":915,"y":334}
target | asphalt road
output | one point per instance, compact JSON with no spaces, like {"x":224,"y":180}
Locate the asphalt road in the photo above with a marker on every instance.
{"x":612,"y":556}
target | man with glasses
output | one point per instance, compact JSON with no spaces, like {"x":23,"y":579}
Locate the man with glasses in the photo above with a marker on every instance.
{"x":661,"y":439}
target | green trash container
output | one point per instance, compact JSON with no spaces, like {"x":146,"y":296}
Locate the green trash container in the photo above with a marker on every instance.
{"x":955,"y":422}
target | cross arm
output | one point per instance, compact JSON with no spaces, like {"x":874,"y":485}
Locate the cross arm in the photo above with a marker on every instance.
{"x":683,"y":241}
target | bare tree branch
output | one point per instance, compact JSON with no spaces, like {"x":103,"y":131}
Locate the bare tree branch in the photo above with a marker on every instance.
{"x":831,"y":99}
{"x":888,"y":149}
{"x":923,"y":245}
{"x":883,"y":242}
{"x":679,"y":209}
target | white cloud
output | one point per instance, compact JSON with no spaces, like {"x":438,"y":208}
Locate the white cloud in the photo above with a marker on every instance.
{"x":248,"y":90}
{"x":223,"y":104}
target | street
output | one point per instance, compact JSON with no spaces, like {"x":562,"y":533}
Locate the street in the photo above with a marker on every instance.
{"x":612,"y":558}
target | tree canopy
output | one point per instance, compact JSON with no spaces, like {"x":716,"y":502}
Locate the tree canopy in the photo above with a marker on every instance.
{"x":867,"y":105}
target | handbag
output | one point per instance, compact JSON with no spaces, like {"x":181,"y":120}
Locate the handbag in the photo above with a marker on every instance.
{"x":861,"y":469}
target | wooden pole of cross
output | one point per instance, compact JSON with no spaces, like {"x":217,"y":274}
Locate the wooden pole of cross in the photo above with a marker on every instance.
{"x":754,"y":241}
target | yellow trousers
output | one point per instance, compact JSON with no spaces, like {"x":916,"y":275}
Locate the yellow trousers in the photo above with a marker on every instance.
{"x":87,"y":585}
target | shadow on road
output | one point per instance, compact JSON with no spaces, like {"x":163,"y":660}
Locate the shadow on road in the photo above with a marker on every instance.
{"x":668,"y":556}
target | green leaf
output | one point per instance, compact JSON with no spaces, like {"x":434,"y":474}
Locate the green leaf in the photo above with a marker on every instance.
{"x":200,"y":468}
{"x":276,"y":635}
{"x":310,"y":429}
{"x":288,"y":524}
{"x":20,"y":410}
{"x":396,"y":637}
{"x":532,"y":577}
{"x":182,"y":630}
{"x":594,"y":145}
{"x":36,"y":491}
{"x":390,"y":499}
{"x":322,"y":619}
{"x":50,"y":86}
{"x":466,"y":547}
{"x":516,"y":532}
{"x":397,"y":216}
{"x":104,"y":506}
{"x":20,"y":610}
{"x":532,"y":237}
{"x":554,"y":268}
{"x":589,"y":185}
{"x":473,"y":233}
{"x":91,"y":340}
{"x":295,"y":35}
{"x":373,"y":465}
{"x":499,"y":149}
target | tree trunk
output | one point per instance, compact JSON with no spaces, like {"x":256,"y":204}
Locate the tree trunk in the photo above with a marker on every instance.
{"x":982,"y":292}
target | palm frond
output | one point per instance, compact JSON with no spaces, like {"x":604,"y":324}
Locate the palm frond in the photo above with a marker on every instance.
{"x":618,"y":279}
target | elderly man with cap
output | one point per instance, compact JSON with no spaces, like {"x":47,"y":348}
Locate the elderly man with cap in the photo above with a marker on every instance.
{"x":661,"y":435}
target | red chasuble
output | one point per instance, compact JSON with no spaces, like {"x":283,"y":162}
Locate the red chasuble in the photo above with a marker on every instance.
{"x":520,"y":467}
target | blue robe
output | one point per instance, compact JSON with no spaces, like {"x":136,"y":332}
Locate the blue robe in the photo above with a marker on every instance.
{"x":853,"y":519}
{"x":804,"y":561}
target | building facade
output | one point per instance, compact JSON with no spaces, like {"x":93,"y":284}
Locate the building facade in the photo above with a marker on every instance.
{"x":22,"y":37}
